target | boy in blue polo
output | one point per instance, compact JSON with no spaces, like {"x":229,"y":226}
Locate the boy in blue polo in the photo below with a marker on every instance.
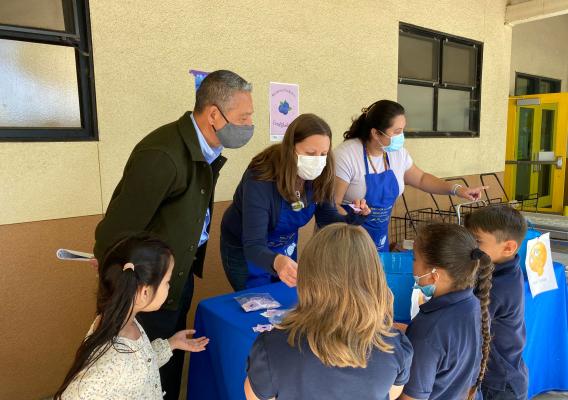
{"x":500,"y":231}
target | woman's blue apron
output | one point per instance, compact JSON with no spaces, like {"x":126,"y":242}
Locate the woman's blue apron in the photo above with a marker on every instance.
{"x":382,"y":192}
{"x":282,"y":240}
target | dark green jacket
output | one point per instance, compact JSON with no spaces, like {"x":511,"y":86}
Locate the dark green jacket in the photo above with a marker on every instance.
{"x":166,"y":189}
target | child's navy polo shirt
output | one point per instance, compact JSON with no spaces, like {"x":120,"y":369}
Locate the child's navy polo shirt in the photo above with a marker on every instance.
{"x":446,"y":337}
{"x":275,"y":369}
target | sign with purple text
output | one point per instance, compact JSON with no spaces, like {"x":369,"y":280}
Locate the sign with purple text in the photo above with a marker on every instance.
{"x":284,"y":100}
{"x":199,"y":76}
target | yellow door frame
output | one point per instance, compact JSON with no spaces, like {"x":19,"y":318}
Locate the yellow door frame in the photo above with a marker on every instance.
{"x":560,"y":100}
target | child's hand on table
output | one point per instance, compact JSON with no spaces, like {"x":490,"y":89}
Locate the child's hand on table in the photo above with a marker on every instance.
{"x":181,"y":341}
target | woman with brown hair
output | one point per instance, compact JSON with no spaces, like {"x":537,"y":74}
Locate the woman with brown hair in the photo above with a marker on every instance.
{"x":450,"y":335}
{"x":339,"y":341}
{"x":281,"y":190}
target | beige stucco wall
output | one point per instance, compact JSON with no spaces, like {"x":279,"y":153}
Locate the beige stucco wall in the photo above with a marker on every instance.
{"x":343,"y":56}
{"x":541,"y":48}
{"x":43,"y":181}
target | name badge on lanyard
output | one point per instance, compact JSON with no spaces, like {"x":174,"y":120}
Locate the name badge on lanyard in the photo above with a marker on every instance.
{"x":298,"y":205}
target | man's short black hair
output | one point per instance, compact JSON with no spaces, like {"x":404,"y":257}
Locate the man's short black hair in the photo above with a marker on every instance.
{"x":218,"y":88}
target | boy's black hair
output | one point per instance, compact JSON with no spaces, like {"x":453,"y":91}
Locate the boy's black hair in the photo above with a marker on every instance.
{"x":502,"y":221}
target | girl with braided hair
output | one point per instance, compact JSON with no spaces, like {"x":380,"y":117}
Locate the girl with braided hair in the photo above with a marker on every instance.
{"x":450,"y":334}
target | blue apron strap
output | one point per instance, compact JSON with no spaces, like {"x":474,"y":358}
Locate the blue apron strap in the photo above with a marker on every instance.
{"x":365,"y":159}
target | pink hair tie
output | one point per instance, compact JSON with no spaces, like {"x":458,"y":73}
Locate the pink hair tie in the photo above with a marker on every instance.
{"x":128,"y":266}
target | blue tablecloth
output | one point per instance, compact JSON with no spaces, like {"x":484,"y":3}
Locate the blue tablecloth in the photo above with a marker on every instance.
{"x":219,"y":372}
{"x":546,"y":351}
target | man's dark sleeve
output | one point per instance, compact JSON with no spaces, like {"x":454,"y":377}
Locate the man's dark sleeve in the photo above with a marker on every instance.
{"x":147,"y":181}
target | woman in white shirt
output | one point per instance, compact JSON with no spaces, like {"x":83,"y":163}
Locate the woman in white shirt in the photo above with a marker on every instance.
{"x":373,"y":164}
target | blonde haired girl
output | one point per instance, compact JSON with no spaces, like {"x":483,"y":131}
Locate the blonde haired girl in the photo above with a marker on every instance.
{"x":338,"y":342}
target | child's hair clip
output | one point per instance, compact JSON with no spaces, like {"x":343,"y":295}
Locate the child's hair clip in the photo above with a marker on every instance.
{"x":128,"y":266}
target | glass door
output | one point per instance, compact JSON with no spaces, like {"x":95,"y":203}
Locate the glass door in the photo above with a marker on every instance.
{"x":545,"y":144}
{"x":524,"y":153}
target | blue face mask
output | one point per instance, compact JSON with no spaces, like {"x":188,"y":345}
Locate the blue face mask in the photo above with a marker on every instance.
{"x":396,"y":142}
{"x":427,"y":290}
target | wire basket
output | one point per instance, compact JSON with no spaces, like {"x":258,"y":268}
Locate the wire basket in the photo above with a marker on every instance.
{"x":529,"y":201}
{"x":404,"y":229}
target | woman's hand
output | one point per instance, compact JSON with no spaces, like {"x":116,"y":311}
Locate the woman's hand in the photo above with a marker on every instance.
{"x":362,"y":205}
{"x":472,"y":194}
{"x":287,"y":269}
{"x":181,"y":341}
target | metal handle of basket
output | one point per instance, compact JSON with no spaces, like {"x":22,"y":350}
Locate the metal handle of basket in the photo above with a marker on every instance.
{"x":458,"y":207}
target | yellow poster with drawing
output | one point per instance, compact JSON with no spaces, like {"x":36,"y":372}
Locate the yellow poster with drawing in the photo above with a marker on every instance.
{"x":540,"y":272}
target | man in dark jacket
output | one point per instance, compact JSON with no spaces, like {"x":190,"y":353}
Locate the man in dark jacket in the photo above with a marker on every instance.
{"x":167,"y":189}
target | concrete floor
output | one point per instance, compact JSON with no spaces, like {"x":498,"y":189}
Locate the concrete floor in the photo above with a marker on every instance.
{"x":552,"y":396}
{"x":560,"y":257}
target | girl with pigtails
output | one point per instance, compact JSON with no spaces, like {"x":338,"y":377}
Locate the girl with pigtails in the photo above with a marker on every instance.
{"x":117,"y":360}
{"x":450,"y":335}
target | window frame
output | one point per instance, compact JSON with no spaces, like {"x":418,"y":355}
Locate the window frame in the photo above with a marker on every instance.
{"x":78,"y":36}
{"x":475,"y":96}
{"x":536,"y":79}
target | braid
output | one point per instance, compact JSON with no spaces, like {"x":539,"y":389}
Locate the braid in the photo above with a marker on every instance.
{"x":485,"y":274}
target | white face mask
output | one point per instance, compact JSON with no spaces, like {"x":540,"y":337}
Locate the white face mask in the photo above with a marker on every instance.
{"x":310,"y":167}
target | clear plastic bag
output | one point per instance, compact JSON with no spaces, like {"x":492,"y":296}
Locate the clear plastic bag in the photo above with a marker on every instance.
{"x":262,"y":328}
{"x":257,"y":301}
{"x":275,"y":316}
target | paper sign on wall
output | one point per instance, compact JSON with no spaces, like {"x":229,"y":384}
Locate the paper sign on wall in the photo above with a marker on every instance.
{"x":284,"y":103}
{"x":199,"y":76}
{"x":540,"y":272}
